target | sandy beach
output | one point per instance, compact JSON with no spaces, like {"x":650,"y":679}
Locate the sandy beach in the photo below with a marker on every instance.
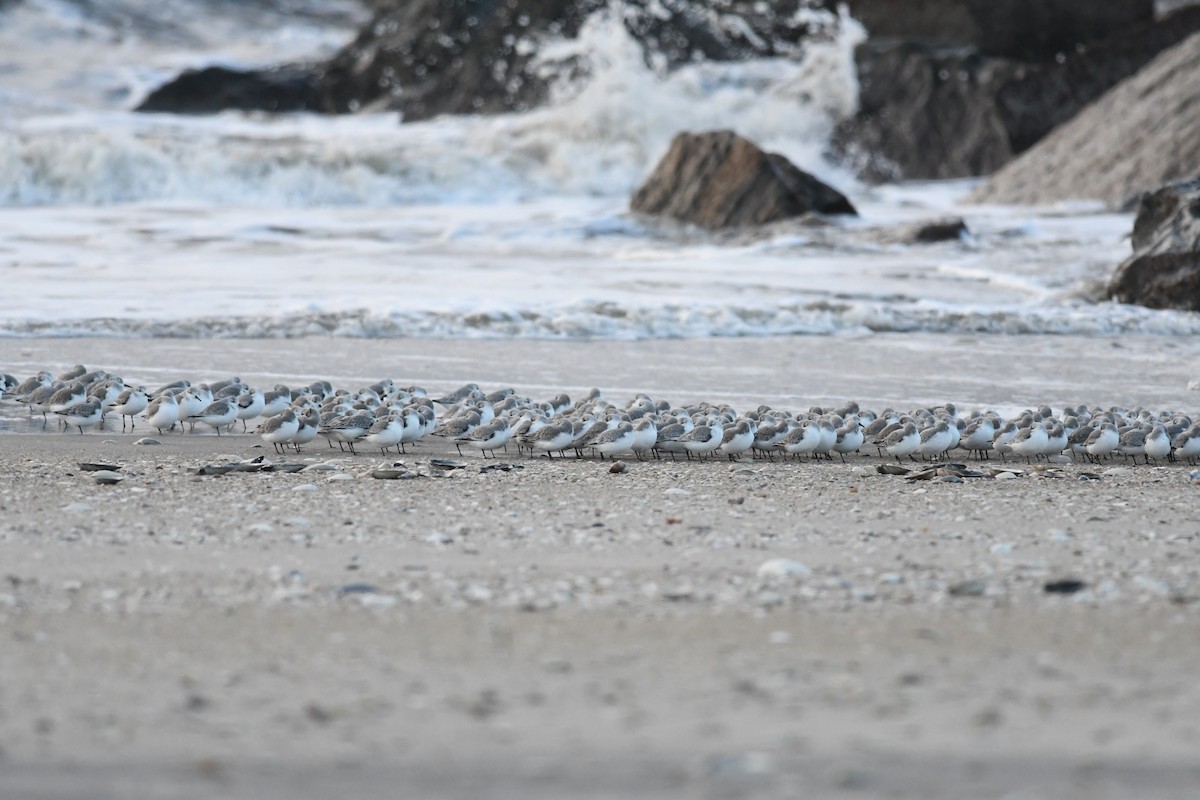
{"x":753,"y":629}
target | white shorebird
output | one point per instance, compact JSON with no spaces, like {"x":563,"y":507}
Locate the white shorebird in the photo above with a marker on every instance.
{"x":738,"y":439}
{"x":1102,"y":441}
{"x":217,"y":414}
{"x":82,"y":415}
{"x":616,"y":440}
{"x":1157,"y":444}
{"x":130,"y":403}
{"x":163,"y":412}
{"x":935,"y":441}
{"x":280,"y":429}
{"x":1187,"y":444}
{"x":250,"y":404}
{"x":386,"y":432}
{"x":903,"y":442}
{"x":486,"y":438}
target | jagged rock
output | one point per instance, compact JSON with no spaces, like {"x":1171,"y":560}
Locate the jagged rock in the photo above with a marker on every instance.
{"x":213,"y":89}
{"x":1031,"y":30}
{"x":719,"y":179}
{"x":925,"y":112}
{"x":1164,"y":271}
{"x":941,"y":230}
{"x":1143,"y":133}
{"x":430,"y":57}
{"x":934,"y":112}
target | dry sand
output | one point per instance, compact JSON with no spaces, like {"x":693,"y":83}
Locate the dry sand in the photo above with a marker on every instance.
{"x":558,"y":630}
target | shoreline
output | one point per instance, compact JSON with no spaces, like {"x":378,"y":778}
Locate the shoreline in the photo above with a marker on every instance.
{"x":753,"y":629}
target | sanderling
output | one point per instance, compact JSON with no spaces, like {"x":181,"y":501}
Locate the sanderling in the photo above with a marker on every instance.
{"x":82,"y":415}
{"x":1187,"y":444}
{"x":1102,"y":441}
{"x":803,"y":440}
{"x":250,"y":403}
{"x":1133,"y":443}
{"x":615,"y":440}
{"x":850,"y":437}
{"x":458,"y":395}
{"x":349,"y":428}
{"x":163,"y":412}
{"x":217,"y":414}
{"x":978,"y":435}
{"x":738,"y":439}
{"x":486,"y":438}
{"x":280,"y":429}
{"x":1030,"y":442}
{"x":903,"y":442}
{"x":553,"y":437}
{"x":386,"y":432}
{"x":129,"y":403}
{"x":306,"y":431}
{"x":1157,"y":444}
{"x":276,"y":400}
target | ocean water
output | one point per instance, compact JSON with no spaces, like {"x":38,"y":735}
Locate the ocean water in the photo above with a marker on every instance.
{"x":244,"y":226}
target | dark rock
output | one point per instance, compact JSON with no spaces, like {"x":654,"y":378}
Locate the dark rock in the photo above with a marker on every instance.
{"x":1067,"y":586}
{"x":1142,"y":133}
{"x":1166,"y":280}
{"x":1032,"y":30}
{"x":926,"y":112}
{"x":1164,"y":270}
{"x":942,"y":230}
{"x":213,"y":89}
{"x":934,"y":111}
{"x":1168,"y":219}
{"x":430,"y":57}
{"x":719,"y":179}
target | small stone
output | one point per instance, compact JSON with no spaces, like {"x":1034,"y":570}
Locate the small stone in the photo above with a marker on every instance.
{"x":107,"y":477}
{"x":147,"y":441}
{"x":1116,"y":472}
{"x":675,"y":491}
{"x":1066,"y":586}
{"x":678,"y":593}
{"x":972,"y":588}
{"x":339,"y":476}
{"x":618,"y":467}
{"x":782,"y":568}
{"x":1005,"y":476}
{"x":357,"y":588}
{"x":305,"y":487}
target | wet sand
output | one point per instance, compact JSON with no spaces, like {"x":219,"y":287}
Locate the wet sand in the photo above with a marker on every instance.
{"x":559,"y":630}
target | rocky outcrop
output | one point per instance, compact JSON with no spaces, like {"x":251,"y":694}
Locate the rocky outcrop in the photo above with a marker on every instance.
{"x":1164,"y":270}
{"x":719,"y":180}
{"x":925,"y":112}
{"x":933,"y":111}
{"x":1143,"y":133}
{"x":207,"y":91}
{"x":430,"y":57}
{"x":1025,"y":30}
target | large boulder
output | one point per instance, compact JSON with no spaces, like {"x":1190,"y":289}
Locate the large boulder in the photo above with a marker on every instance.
{"x":213,"y":89}
{"x":935,"y":111}
{"x":719,"y":180}
{"x":430,"y":57}
{"x":1164,"y":270}
{"x":1026,"y":30}
{"x":1143,"y":133}
{"x":925,"y":112}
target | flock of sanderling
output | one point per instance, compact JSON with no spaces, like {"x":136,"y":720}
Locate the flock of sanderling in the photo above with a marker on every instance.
{"x":386,"y":415}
